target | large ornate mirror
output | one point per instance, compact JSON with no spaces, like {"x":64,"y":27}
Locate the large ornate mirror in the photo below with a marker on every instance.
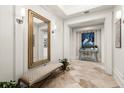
{"x":38,"y":39}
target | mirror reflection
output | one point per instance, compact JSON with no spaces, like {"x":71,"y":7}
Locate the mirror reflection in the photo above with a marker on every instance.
{"x":40,"y":40}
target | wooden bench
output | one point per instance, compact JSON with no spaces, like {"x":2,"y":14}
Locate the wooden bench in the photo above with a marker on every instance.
{"x":38,"y":74}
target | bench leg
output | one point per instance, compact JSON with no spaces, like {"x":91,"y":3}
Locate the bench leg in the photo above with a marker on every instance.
{"x":19,"y":83}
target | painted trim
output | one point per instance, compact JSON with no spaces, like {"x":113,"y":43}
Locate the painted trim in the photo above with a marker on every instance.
{"x":118,"y":77}
{"x":14,"y":43}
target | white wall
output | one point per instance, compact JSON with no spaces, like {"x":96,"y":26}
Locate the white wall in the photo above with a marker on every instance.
{"x":6,"y":43}
{"x":73,"y":41}
{"x":75,"y":45}
{"x":78,"y":44}
{"x":102,"y":45}
{"x":118,"y":53}
{"x":98,"y":43}
{"x":107,"y":15}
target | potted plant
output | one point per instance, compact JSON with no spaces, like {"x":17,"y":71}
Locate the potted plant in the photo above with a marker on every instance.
{"x":11,"y":84}
{"x":65,"y":64}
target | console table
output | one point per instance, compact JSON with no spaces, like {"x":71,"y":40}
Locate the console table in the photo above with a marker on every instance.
{"x":88,"y":54}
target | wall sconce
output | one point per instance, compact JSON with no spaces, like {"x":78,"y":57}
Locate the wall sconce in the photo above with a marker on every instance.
{"x":118,"y":14}
{"x":54,"y":29}
{"x":20,"y":19}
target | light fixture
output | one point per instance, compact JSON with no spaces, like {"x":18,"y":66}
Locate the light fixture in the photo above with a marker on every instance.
{"x":54,"y":28}
{"x":118,"y":14}
{"x":20,"y":19}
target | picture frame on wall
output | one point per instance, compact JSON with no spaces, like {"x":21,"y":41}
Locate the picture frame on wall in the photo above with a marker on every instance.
{"x":118,"y":34}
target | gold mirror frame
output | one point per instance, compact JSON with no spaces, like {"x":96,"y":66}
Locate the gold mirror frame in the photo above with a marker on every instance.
{"x":32,"y":14}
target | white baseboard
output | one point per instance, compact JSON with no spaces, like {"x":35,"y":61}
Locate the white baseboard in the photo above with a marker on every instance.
{"x":118,"y":77}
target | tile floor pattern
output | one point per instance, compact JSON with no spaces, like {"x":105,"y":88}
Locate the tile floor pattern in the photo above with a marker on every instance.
{"x":82,"y":75}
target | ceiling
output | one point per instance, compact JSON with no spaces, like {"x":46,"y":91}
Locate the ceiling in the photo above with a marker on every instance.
{"x":87,"y":24}
{"x":67,"y":11}
{"x":72,"y":9}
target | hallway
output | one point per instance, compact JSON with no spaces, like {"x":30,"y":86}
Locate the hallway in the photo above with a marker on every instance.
{"x":33,"y":35}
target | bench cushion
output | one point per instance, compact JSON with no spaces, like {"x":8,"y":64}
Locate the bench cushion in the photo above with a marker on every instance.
{"x":37,"y":74}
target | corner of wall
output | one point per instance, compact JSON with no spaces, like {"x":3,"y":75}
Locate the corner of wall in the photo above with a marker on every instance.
{"x":118,"y":77}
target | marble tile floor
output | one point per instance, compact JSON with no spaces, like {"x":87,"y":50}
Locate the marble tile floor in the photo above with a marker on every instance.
{"x":82,"y":75}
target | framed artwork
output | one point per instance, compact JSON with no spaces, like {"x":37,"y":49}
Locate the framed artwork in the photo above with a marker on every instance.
{"x":88,"y":39}
{"x":118,"y":34}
